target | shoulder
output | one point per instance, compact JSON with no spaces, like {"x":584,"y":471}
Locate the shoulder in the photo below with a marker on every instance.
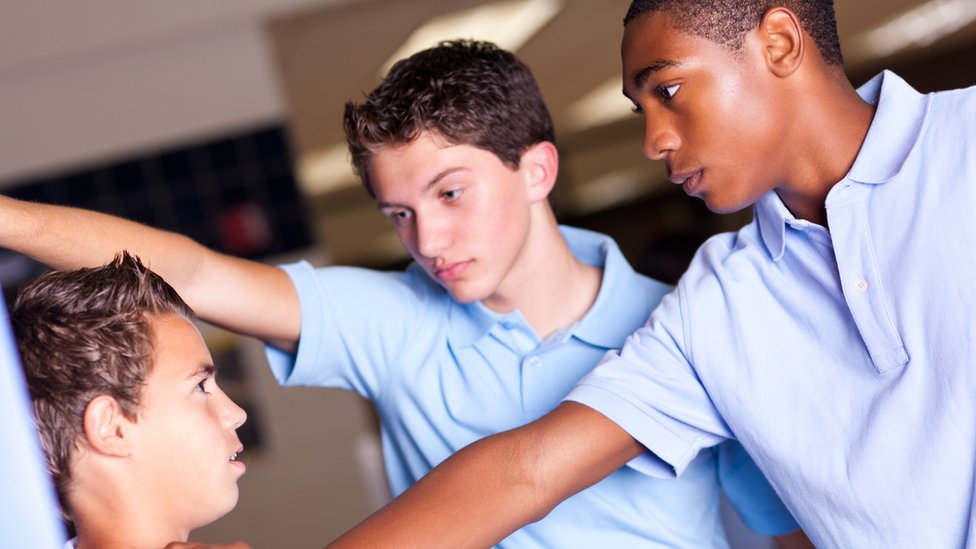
{"x":724,"y":255}
{"x":952,"y":113}
{"x":964,"y":98}
{"x":650,"y":288}
{"x":357,"y":285}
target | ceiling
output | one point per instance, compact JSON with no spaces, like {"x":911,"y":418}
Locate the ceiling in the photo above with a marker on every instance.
{"x":325,"y":56}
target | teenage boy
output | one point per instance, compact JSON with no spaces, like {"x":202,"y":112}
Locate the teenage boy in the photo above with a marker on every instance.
{"x":833,"y":336}
{"x":140,"y":441}
{"x":498,"y":317}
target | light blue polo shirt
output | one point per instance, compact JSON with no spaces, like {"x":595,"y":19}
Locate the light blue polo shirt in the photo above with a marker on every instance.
{"x":844,"y":361}
{"x":443,"y":374}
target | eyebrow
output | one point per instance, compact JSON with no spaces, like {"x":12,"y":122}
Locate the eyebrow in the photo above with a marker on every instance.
{"x":203,"y":369}
{"x":430,"y":184}
{"x":641,"y":77}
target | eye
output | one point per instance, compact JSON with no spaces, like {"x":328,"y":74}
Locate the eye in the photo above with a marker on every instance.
{"x":398,"y":217}
{"x":202,"y":386}
{"x":452,"y":194}
{"x":666,"y":93}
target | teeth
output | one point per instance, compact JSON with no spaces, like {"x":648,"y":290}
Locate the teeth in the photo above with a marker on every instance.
{"x":233,"y":456}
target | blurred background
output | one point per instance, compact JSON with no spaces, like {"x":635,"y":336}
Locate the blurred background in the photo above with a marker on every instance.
{"x":222,"y":121}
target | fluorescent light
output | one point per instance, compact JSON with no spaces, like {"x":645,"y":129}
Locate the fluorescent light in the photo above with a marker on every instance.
{"x":605,"y":104}
{"x":920,"y":26}
{"x":508,"y":24}
{"x":609,"y":190}
{"x":326,"y":170}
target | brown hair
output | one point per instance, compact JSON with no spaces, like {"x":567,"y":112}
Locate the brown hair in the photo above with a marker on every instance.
{"x":469,"y":92}
{"x":87,"y":333}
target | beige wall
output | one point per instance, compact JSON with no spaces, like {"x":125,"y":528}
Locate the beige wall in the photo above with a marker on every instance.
{"x":85,"y":81}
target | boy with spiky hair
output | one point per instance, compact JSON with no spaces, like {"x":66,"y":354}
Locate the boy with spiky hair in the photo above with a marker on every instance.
{"x":832,"y":336}
{"x":139,"y":439}
{"x":500,"y":314}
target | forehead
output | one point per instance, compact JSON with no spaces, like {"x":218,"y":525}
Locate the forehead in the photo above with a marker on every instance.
{"x":423,"y":162}
{"x":178,"y":350}
{"x":652,"y":43}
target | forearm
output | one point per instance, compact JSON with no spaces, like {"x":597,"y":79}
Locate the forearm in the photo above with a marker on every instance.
{"x":72,"y":238}
{"x":499,"y":484}
{"x":468,"y":501}
{"x":244,"y":296}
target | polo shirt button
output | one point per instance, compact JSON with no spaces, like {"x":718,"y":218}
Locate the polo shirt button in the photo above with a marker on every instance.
{"x":508,"y":325}
{"x":534,"y":361}
{"x":861,"y":284}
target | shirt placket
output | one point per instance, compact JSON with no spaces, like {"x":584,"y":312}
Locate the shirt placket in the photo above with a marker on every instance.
{"x":862,"y":282}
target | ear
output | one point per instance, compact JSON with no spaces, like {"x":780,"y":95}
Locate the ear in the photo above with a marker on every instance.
{"x":107,"y":430}
{"x":540,"y":164}
{"x":784,"y":41}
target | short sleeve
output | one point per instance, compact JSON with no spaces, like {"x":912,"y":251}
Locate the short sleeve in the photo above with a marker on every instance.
{"x":750,"y":493}
{"x":651,"y":390}
{"x":355,"y":322}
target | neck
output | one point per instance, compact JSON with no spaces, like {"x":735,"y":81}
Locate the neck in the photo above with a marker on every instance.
{"x":830,"y":130}
{"x":548,"y":284}
{"x":110,"y":515}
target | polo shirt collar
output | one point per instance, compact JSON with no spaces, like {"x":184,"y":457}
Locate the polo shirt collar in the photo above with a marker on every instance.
{"x":469,"y":322}
{"x":614,"y":305}
{"x":772,"y":215}
{"x":620,"y":304}
{"x":894,"y":130}
{"x":890,"y":139}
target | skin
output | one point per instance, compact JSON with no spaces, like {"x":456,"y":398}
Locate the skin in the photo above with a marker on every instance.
{"x":146,"y":481}
{"x":431,"y":190}
{"x":484,"y":230}
{"x":730,"y":126}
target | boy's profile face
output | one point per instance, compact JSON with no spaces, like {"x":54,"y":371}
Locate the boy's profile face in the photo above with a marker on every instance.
{"x":709,"y":113}
{"x":459,"y":210}
{"x":185,"y":445}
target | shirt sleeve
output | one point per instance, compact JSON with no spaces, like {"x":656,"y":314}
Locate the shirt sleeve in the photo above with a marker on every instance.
{"x":651,"y":390}
{"x":758,"y":505}
{"x":355,"y":322}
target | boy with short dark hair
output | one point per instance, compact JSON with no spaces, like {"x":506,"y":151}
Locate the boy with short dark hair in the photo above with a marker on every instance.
{"x":498,"y":317}
{"x":139,"y":439}
{"x":832,"y":336}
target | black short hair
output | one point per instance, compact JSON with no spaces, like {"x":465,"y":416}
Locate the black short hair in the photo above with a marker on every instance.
{"x":469,"y":92}
{"x":726,"y":22}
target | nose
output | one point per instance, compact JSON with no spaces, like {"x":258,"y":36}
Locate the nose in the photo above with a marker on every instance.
{"x":433,"y":235}
{"x":232,"y":415}
{"x":659,"y":138}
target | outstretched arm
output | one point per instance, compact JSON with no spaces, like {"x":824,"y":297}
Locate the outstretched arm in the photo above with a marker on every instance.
{"x":244,"y":296}
{"x":500,"y":483}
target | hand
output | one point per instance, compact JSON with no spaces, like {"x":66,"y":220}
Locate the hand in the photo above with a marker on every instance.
{"x":192,"y":545}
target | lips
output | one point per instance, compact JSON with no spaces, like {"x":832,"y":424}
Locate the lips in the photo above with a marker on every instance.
{"x":451,"y":272}
{"x":688,"y":180}
{"x":235,"y":462}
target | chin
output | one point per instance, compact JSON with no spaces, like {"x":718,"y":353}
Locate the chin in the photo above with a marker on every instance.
{"x":465,"y":297}
{"x":719,"y":206}
{"x":226,"y":503}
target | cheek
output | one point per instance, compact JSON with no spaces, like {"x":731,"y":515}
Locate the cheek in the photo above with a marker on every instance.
{"x":408,"y":239}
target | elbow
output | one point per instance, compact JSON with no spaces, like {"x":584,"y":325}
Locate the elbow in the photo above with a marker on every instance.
{"x":536,"y":483}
